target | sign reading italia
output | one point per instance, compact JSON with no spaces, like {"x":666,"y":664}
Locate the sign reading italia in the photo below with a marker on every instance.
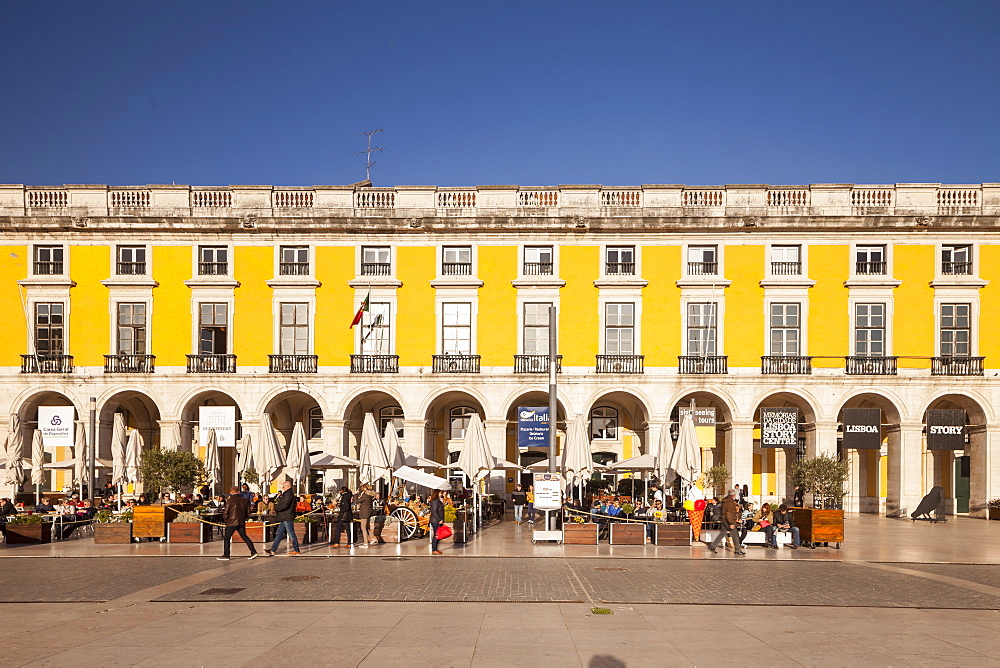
{"x":703,"y":417}
{"x":863,"y":428}
{"x":779,"y":427}
{"x":533,"y":427}
{"x":946,"y":429}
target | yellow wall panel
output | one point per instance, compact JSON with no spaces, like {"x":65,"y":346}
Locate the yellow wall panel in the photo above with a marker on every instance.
{"x":497,"y":324}
{"x":253,"y":314}
{"x":416,"y":324}
{"x":829,"y":317}
{"x":172,"y":311}
{"x":744,"y":318}
{"x":661,"y":305}
{"x":989,"y":304}
{"x":578,"y":307}
{"x":90,"y":323}
{"x":333,"y":339}
{"x":913,"y":320}
{"x":14,"y":262}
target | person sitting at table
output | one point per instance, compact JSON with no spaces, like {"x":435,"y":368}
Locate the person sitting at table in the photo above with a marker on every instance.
{"x":784,"y":521}
{"x":265,"y":506}
{"x":746,"y":522}
{"x":44,"y":506}
{"x":165,"y":499}
{"x":764,"y":519}
{"x":143,"y":500}
{"x":7,"y":508}
{"x":83,"y":516}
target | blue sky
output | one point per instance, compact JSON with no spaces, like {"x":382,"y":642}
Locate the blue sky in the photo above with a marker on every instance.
{"x":529,"y":93}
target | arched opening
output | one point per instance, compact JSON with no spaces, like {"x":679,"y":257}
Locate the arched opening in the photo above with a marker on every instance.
{"x":713,"y":424}
{"x":289,"y":408}
{"x":776,"y":449}
{"x":58,"y":479}
{"x":447,"y":418}
{"x":533,"y":454}
{"x":617,"y":426}
{"x":954,"y":452}
{"x":385,"y":409}
{"x":868,"y":486}
{"x":190,"y":440}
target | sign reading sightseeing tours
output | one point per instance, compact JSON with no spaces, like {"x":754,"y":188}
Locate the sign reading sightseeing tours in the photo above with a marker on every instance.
{"x":533,"y":427}
{"x":220,"y":418}
{"x":946,"y":429}
{"x":703,"y":417}
{"x":779,"y":427}
{"x":863,"y":428}
{"x":56,"y":425}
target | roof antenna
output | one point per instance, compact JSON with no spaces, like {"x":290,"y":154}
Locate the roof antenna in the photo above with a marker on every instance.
{"x":371,"y":149}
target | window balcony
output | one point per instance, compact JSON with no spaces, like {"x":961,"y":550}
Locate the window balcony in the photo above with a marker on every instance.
{"x":292,"y":363}
{"x":456,"y":364}
{"x":786,"y":268}
{"x":293,"y":268}
{"x":620,"y":363}
{"x":703,"y":364}
{"x":124,"y":363}
{"x":619,"y":268}
{"x":870,"y":366}
{"x":213,"y":268}
{"x":376,"y":268}
{"x":48,"y":268}
{"x":870,"y":268}
{"x":211,"y":363}
{"x":957,"y":366}
{"x":374,"y":363}
{"x":537,"y":268}
{"x":46,"y":364}
{"x":703,"y":268}
{"x":456,"y":269}
{"x":131,"y":268}
{"x":535,"y":363}
{"x":785,"y":365}
{"x":956,"y":268}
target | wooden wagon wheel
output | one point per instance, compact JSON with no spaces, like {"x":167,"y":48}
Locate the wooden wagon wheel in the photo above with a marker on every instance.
{"x":408,"y":522}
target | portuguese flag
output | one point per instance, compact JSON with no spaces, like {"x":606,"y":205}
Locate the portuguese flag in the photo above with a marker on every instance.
{"x":362,"y":310}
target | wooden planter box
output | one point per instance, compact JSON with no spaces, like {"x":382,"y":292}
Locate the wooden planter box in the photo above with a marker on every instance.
{"x":113,"y":533}
{"x":29,"y":534}
{"x":994,"y":513}
{"x":820,"y":525}
{"x":256,"y":534}
{"x":628,"y":533}
{"x":672,"y":533}
{"x":387,"y":532}
{"x":152,"y":521}
{"x":189,"y":532}
{"x":307,"y":532}
{"x":579,"y":534}
{"x":462,"y":528}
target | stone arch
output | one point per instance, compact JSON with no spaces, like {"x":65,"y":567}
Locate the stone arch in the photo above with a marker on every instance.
{"x":140,"y":410}
{"x":529,"y":397}
{"x":872,"y":472}
{"x":27,"y":413}
{"x":441,"y":440}
{"x":436,"y":395}
{"x":964,"y":474}
{"x":188,"y":421}
{"x":288,"y":406}
{"x":345,"y":405}
{"x":627,"y":438}
{"x":771,"y":465}
{"x":378,"y":402}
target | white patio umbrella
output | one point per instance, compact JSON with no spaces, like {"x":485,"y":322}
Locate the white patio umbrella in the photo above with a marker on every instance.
{"x":475,"y":459}
{"x":298,"y":455}
{"x":393,"y":450}
{"x":268,"y":455}
{"x":81,"y":457}
{"x":175,"y":438}
{"x":37,"y":463}
{"x":577,"y":461}
{"x":118,"y":437}
{"x":375,"y":463}
{"x":133,"y":456}
{"x":664,"y":453}
{"x":324,"y":461}
{"x":686,"y":458}
{"x":212,"y":468}
{"x":14,"y":475}
{"x":244,"y":454}
{"x":640,"y":463}
{"x":503,"y":464}
{"x":418,"y":462}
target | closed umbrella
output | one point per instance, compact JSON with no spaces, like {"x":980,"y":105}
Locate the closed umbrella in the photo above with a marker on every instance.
{"x":686,"y":457}
{"x":133,"y":456}
{"x":475,"y":459}
{"x":118,"y":437}
{"x":212,"y":459}
{"x":664,"y":453}
{"x":37,"y":463}
{"x":393,"y":450}
{"x":244,"y":453}
{"x":175,"y":437}
{"x":268,"y":455}
{"x":325,"y":461}
{"x":80,"y":457}
{"x":375,"y":464}
{"x":15,"y":467}
{"x":298,"y":455}
{"x":577,"y":460}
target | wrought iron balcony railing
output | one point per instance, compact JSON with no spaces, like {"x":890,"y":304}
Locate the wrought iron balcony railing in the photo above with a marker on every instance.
{"x":292,"y":363}
{"x":703,"y":268}
{"x":456,"y":269}
{"x":535,"y":363}
{"x":957,"y":366}
{"x":131,"y":269}
{"x":48,"y":268}
{"x":211,"y":363}
{"x":703,"y":364}
{"x":213,"y":268}
{"x":870,"y":366}
{"x":125,"y":363}
{"x":537,"y":268}
{"x":786,"y":268}
{"x":870,"y":268}
{"x":456,"y":364}
{"x":956,"y":268}
{"x":619,"y":268}
{"x":293,"y":268}
{"x":376,"y":268}
{"x":620,"y":363}
{"x":778,"y":364}
{"x":46,"y":364}
{"x":374,"y":363}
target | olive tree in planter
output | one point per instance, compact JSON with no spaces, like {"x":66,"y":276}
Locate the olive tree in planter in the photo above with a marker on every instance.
{"x":825,"y":477}
{"x":173,"y":471}
{"x":250,"y":476}
{"x":112,"y":529}
{"x":717,"y":478}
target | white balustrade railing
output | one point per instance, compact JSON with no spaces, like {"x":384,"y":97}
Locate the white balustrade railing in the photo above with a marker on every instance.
{"x":875,"y":198}
{"x":211,"y":198}
{"x":452,"y":199}
{"x":955,"y":197}
{"x":375,"y":199}
{"x":703,"y":198}
{"x":128,"y":199}
{"x":621,"y":198}
{"x":41,"y":199}
{"x":788,"y":198}
{"x":538,"y":198}
{"x":293,"y":199}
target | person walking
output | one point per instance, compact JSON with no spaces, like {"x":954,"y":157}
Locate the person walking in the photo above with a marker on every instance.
{"x":531,"y":504}
{"x":366,"y":499}
{"x":284,"y":510}
{"x":235,"y":515}
{"x":730,"y":523}
{"x":437,"y":519}
{"x":520,"y":498}
{"x":346,"y":516}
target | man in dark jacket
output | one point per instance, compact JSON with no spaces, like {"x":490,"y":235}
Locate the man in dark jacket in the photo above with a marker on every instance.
{"x":284,"y":508}
{"x":235,"y":515}
{"x":784,"y":520}
{"x":730,"y":523}
{"x":520,"y":498}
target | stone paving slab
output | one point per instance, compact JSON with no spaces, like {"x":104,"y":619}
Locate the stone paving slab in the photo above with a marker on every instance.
{"x":986,"y":574}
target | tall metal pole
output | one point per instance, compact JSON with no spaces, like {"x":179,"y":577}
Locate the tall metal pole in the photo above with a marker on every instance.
{"x":553,"y":403}
{"x":93,"y":447}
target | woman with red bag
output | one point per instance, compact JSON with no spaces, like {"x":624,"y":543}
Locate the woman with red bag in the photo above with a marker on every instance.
{"x":437,"y":519}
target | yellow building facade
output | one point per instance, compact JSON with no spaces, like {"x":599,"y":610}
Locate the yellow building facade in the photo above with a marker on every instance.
{"x":160,"y":300}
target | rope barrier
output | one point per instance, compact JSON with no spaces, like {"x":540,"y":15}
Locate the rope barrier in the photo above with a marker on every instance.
{"x":616,"y":518}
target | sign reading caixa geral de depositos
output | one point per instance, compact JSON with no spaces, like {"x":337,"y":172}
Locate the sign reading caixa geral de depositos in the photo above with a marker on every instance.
{"x":863,"y":428}
{"x":533,"y":427}
{"x":779,"y":427}
{"x":946,"y":429}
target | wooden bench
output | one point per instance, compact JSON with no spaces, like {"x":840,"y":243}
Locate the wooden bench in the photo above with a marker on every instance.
{"x":752,"y":537}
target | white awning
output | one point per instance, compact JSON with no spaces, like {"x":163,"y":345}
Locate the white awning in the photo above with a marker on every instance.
{"x":420,"y":478}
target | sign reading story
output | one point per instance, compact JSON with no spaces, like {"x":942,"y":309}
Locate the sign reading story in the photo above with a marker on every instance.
{"x":779,"y":427}
{"x":703,"y":417}
{"x":946,"y":429}
{"x":56,"y":425}
{"x":533,"y":427}
{"x":548,"y":491}
{"x":220,"y":418}
{"x":863,"y":428}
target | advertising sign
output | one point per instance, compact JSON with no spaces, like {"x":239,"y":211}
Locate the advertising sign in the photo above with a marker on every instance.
{"x":56,"y":425}
{"x":946,"y":429}
{"x":533,"y":427}
{"x":779,"y":427}
{"x":703,"y":417}
{"x":548,"y":491}
{"x":220,"y":418}
{"x":863,"y":428}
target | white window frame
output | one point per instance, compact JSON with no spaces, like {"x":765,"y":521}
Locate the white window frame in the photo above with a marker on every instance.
{"x":887,"y":335}
{"x":366,"y":319}
{"x":308,"y":325}
{"x":973,"y":258}
{"x":383,"y":421}
{"x":444,"y":308}
{"x":114,"y":260}
{"x":974,"y":317}
{"x":719,"y":259}
{"x":32,"y":325}
{"x":887,"y":253}
{"x":467,"y":415}
{"x":689,"y":251}
{"x":439,"y":260}
{"x":148,"y":303}
{"x":310,"y":250}
{"x":636,"y":259}
{"x":230,"y":262}
{"x":617,"y":421}
{"x":686,"y":305}
{"x":196,"y":343}
{"x":803,"y":260}
{"x":772,"y":329}
{"x":65,"y":261}
{"x":360,"y":259}
{"x":523,"y":260}
{"x":634,"y":328}
{"x":717,"y":298}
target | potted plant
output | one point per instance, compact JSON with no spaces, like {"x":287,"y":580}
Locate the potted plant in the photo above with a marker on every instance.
{"x":307,"y":529}
{"x":187,"y":527}
{"x":717,"y":478}
{"x":825,"y":477}
{"x":28,"y":530}
{"x":164,"y":470}
{"x":112,"y":529}
{"x":994,"y":509}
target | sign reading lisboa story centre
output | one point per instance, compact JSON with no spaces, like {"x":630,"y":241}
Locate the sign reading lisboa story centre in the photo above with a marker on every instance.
{"x":533,"y":427}
{"x":946,"y":429}
{"x":863,"y":428}
{"x":779,"y":427}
